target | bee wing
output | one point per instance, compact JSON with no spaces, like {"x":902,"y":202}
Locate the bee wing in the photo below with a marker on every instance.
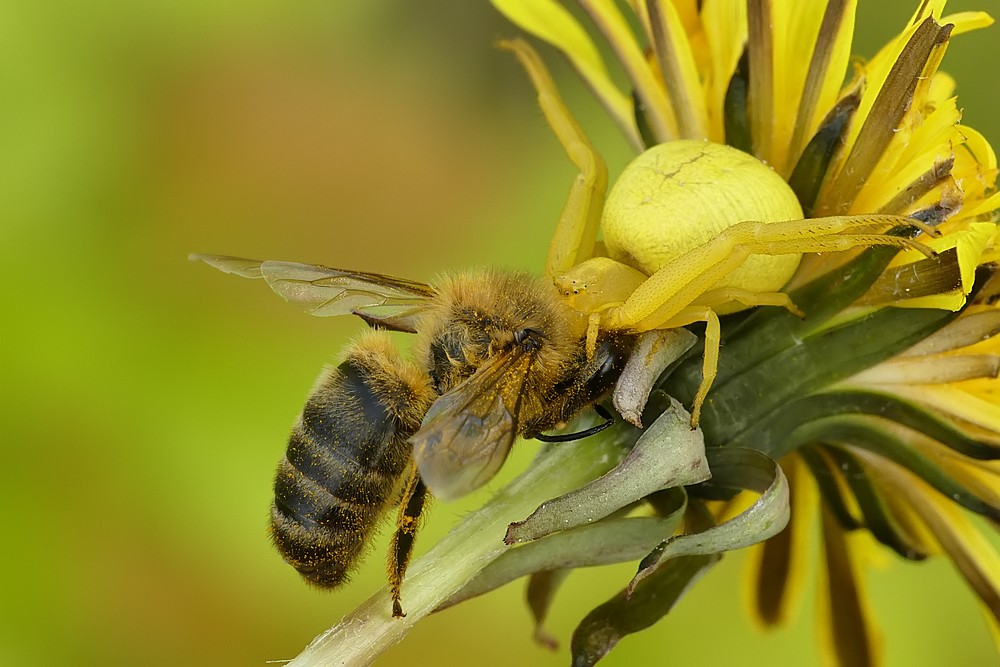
{"x":383,"y":301}
{"x":467,"y":432}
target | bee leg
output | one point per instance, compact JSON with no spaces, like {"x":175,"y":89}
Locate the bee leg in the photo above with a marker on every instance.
{"x":401,"y":549}
{"x":608,"y":422}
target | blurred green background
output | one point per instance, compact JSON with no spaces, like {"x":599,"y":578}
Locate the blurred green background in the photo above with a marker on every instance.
{"x":146,"y":399}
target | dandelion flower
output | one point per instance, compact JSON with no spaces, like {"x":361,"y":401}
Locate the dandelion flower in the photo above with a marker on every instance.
{"x":883,"y":398}
{"x":837,"y":241}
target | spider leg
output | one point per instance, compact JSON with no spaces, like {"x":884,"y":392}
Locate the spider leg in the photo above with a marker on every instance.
{"x":687,"y":290}
{"x":710,"y":364}
{"x":722,"y":295}
{"x":576,"y":233}
{"x":685,"y":279}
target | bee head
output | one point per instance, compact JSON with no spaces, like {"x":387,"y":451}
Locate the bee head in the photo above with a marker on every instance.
{"x":485,"y":314}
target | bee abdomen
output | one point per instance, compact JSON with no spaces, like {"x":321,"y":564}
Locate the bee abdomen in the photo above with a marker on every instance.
{"x":343,"y":463}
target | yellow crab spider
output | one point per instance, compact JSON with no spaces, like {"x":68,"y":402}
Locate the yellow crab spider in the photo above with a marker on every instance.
{"x":691,"y":230}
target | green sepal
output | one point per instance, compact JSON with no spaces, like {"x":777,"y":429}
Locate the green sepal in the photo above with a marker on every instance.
{"x":667,"y":454}
{"x":877,"y":404}
{"x":735,"y":111}
{"x":866,"y":433}
{"x":807,"y":364}
{"x":810,"y":170}
{"x":822,"y":299}
{"x":626,"y":614}
{"x":732,"y":469}
{"x":541,"y":588}
{"x":613,"y":540}
{"x":668,"y":501}
{"x":877,"y":516}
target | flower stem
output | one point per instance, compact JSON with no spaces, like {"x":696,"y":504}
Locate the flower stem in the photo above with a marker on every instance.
{"x":473,"y":544}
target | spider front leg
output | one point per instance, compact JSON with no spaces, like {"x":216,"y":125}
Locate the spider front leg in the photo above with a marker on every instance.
{"x":576,"y":233}
{"x":687,"y":289}
{"x":681,"y":281}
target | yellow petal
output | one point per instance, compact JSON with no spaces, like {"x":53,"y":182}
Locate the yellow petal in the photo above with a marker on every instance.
{"x":687,"y":12}
{"x":942,"y":88}
{"x":986,"y":206}
{"x":925,"y":9}
{"x":911,"y":153}
{"x":976,"y":167}
{"x":884,"y":105}
{"x":725,"y":23}
{"x":618,"y":33}
{"x":910,"y":521}
{"x":935,"y":134}
{"x":680,"y":73}
{"x":968,"y":21}
{"x":551,"y":22}
{"x":980,"y":482}
{"x":831,"y":54}
{"x":952,"y":401}
{"x":972,"y":554}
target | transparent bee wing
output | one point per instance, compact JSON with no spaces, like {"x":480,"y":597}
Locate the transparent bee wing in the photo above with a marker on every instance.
{"x":238,"y":266}
{"x":382,"y":301}
{"x":468,"y":432}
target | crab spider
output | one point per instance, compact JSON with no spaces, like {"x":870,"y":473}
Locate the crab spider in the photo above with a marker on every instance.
{"x":673,"y":256}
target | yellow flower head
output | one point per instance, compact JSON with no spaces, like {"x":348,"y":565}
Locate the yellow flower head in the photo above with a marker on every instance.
{"x":757,"y":162}
{"x":789,"y":296}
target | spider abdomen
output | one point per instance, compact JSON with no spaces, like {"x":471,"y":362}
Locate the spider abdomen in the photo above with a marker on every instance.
{"x":680,"y":194}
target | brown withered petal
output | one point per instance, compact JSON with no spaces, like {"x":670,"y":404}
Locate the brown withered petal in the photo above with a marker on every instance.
{"x":880,"y":125}
{"x":845,"y":622}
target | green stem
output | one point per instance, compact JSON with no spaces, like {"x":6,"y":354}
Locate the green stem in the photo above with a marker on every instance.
{"x":472,"y":545}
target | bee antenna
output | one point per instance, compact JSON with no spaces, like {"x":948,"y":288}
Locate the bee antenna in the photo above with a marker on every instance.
{"x":609,"y":420}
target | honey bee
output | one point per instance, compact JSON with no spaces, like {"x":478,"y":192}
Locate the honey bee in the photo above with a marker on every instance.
{"x":497,"y":355}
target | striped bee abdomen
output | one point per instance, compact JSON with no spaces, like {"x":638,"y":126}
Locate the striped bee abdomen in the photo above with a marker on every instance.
{"x":344,"y":461}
